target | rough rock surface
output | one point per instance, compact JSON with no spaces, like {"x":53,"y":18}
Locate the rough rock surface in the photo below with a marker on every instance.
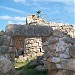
{"x":68,"y":64}
{"x":72,"y":51}
{"x":7,"y":55}
{"x":40,"y":68}
{"x":5,"y":66}
{"x":60,"y":54}
{"x":29,"y":30}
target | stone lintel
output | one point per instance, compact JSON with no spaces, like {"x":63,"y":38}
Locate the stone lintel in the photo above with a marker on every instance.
{"x":29,"y":30}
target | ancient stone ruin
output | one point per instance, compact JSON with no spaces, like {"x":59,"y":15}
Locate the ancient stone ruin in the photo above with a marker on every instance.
{"x":7,"y":55}
{"x":59,"y":54}
{"x":30,"y":41}
{"x":25,"y":37}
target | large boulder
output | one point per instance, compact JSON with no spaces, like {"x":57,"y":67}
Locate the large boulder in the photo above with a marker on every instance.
{"x":5,"y":40}
{"x":72,"y":51}
{"x":6,"y":66}
{"x":69,"y":40}
{"x":68,"y":64}
{"x":29,"y":30}
{"x":4,"y":49}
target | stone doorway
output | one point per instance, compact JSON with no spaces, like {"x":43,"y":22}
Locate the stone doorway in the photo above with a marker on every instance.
{"x":28,"y":47}
{"x":23,"y":35}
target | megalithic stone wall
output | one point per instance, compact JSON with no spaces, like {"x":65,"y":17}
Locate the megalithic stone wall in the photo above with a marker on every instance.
{"x":7,"y":55}
{"x":29,"y":30}
{"x":60,"y":54}
{"x":32,"y":35}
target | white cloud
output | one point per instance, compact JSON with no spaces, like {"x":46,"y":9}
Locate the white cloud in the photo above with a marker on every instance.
{"x":6,"y":17}
{"x":16,"y":18}
{"x":67,"y":2}
{"x":12,"y":22}
{"x":24,"y":2}
{"x":19,"y":18}
{"x":53,"y":0}
{"x":19,"y":0}
{"x":12,"y":9}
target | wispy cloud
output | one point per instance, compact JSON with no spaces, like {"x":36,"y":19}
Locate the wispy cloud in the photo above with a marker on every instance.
{"x":64,"y":1}
{"x":16,"y":18}
{"x":24,"y":2}
{"x":6,"y":17}
{"x":12,"y":9}
{"x":12,"y":22}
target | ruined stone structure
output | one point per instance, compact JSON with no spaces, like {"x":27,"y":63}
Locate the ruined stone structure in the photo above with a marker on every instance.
{"x":59,"y":54}
{"x":56,"y":46}
{"x":21,"y":36}
{"x":69,"y":29}
{"x":7,"y":55}
{"x":28,"y":37}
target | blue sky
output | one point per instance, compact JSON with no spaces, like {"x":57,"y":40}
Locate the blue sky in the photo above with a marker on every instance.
{"x":15,"y":11}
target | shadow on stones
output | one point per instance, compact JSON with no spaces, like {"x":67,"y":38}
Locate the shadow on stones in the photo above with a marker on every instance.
{"x":33,"y":67}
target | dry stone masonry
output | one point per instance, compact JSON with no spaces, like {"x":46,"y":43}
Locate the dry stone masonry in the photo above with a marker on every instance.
{"x":59,"y":54}
{"x":7,"y":55}
{"x":33,"y":47}
{"x":32,"y":37}
{"x":32,"y":44}
{"x":57,"y":48}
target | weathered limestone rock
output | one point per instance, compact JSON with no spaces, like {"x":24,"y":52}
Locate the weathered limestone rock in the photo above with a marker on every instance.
{"x":59,"y":72}
{"x":40,"y":68}
{"x":60,"y":54}
{"x":58,"y":66}
{"x":5,"y":40}
{"x":64,"y":55}
{"x":53,"y":40}
{"x":67,"y":72}
{"x":29,"y":30}
{"x":72,"y":51}
{"x":69,"y":40}
{"x":61,"y":46}
{"x":68,"y":64}
{"x":64,"y":72}
{"x":4,"y":49}
{"x":58,"y":33}
{"x":1,"y":40}
{"x":5,"y":66}
{"x":7,"y":56}
{"x":55,"y":59}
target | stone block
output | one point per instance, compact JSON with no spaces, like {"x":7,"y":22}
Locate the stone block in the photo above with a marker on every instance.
{"x":72,"y":51}
{"x":35,"y":44}
{"x":58,"y":66}
{"x":4,"y":49}
{"x":5,"y":65}
{"x":55,"y":59}
{"x":59,"y":72}
{"x":45,"y":48}
{"x":68,"y":64}
{"x":1,"y":40}
{"x":29,"y":30}
{"x":64,"y":55}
